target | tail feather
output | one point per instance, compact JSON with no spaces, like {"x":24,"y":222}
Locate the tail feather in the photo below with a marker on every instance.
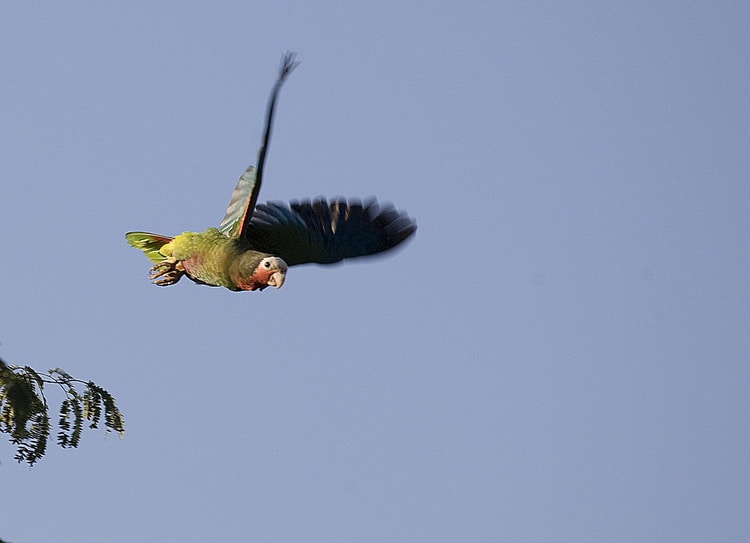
{"x":148,"y":243}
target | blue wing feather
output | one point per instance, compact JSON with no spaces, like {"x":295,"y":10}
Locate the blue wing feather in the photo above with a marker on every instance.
{"x":245,"y":194}
{"x":308,"y":231}
{"x":325,"y":232}
{"x":239,"y":204}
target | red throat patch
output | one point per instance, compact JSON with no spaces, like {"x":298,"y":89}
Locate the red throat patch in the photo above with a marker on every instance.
{"x":258,"y":280}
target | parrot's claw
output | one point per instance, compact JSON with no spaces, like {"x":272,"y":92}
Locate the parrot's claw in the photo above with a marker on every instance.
{"x":167,"y":272}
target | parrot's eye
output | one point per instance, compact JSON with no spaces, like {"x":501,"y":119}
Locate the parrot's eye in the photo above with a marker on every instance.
{"x":267,"y":264}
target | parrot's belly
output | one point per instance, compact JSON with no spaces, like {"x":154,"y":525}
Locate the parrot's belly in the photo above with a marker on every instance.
{"x":205,"y":256}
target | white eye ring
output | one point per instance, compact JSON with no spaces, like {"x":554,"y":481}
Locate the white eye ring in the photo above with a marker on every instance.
{"x":267,"y":264}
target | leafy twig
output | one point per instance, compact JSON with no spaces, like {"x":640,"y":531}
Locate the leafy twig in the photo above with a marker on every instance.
{"x":24,"y":413}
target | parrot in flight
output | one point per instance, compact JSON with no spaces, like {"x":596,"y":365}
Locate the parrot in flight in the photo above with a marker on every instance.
{"x":255,"y":244}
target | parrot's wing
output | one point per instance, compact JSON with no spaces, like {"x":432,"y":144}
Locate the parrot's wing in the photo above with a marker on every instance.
{"x":245,"y":194}
{"x":326,"y":232}
{"x":243,"y":199}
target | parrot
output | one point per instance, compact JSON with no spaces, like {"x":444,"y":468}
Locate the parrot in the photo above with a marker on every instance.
{"x":255,"y":244}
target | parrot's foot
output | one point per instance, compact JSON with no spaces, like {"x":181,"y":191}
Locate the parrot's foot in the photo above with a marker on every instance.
{"x":167,"y":272}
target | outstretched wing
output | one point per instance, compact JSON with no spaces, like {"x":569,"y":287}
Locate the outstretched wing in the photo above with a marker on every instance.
{"x":326,"y":232}
{"x":245,"y":194}
{"x":243,"y":199}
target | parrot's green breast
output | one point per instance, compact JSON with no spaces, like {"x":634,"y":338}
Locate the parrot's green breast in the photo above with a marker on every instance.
{"x":206,"y":256}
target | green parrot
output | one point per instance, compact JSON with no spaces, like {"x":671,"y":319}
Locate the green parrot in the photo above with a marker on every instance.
{"x":255,"y":244}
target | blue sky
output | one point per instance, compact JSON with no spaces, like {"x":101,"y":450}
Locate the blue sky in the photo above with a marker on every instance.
{"x":560,"y":354}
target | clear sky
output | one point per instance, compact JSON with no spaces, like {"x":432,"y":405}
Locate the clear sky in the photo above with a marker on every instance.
{"x":560,"y":354}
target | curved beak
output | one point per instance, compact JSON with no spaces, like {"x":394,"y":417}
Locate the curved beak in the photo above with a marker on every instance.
{"x":276,"y":279}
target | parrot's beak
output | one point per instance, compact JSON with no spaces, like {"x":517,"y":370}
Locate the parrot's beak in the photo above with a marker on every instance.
{"x":276,"y":279}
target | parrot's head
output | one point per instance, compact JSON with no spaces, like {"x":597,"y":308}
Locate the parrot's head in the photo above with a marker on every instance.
{"x":270,"y":271}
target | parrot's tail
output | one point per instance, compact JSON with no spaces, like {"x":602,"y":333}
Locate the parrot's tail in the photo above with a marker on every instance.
{"x":148,"y":243}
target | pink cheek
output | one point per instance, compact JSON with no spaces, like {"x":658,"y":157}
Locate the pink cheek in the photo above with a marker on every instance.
{"x":258,"y":280}
{"x":262,"y":276}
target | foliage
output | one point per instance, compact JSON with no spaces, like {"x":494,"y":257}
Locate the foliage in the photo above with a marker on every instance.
{"x":24,"y":413}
